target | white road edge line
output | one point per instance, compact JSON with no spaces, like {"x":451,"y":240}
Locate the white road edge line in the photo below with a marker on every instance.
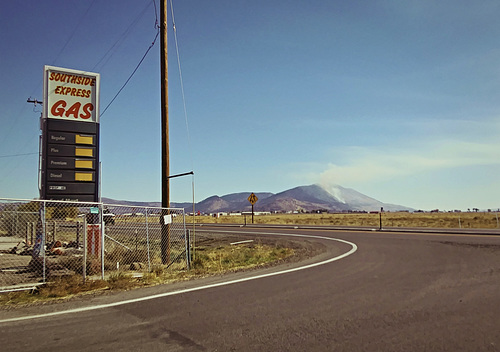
{"x":166,"y":294}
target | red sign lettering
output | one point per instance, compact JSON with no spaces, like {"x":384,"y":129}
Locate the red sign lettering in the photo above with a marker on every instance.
{"x":59,"y":109}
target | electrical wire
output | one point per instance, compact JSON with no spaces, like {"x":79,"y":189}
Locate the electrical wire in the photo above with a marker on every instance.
{"x":181,"y":84}
{"x":12,"y":125}
{"x":74,"y":31}
{"x":122,"y":37}
{"x":157,"y":25}
{"x":187,"y":124}
{"x":10,"y":170}
{"x":12,"y":155}
{"x":6,"y":167}
{"x":119,"y":41}
{"x":15,"y":121}
{"x":132,"y":74}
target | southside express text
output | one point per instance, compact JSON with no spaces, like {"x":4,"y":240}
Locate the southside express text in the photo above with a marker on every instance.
{"x":76,"y":110}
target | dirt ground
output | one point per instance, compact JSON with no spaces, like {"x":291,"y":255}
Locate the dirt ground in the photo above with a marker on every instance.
{"x":15,"y":269}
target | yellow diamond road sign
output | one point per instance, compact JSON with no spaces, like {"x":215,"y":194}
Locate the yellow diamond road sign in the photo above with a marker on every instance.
{"x":253,"y":198}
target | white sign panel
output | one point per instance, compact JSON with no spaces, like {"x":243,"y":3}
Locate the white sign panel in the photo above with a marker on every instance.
{"x":167,"y":219}
{"x":71,"y":94}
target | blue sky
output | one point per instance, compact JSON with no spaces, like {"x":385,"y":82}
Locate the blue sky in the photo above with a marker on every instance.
{"x":396,"y":99}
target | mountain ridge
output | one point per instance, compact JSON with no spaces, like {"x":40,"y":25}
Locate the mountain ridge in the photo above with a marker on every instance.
{"x":302,"y":198}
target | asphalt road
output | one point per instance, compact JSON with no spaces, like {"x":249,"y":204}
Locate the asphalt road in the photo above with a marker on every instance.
{"x":397,"y":292}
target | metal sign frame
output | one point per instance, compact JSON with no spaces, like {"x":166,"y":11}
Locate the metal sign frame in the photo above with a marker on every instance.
{"x":70,"y":135}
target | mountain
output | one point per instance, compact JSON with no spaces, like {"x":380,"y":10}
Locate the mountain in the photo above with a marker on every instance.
{"x":305,"y":198}
{"x":302,"y":198}
{"x":228,"y":203}
{"x":359,"y":202}
{"x":316,"y":197}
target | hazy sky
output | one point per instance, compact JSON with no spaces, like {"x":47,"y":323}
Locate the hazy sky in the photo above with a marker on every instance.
{"x":396,"y":99}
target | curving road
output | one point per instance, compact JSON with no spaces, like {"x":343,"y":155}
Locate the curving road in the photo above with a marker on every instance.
{"x":396,"y":292}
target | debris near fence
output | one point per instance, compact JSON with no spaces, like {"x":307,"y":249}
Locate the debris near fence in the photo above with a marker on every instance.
{"x":53,"y":248}
{"x":62,"y":258}
{"x":22,"y":248}
{"x":64,"y":248}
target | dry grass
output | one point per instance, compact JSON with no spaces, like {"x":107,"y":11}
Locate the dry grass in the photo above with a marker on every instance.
{"x":486,"y":220}
{"x":230,"y":258}
{"x":208,"y":261}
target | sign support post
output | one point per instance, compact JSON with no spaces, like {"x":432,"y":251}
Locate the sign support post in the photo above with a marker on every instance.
{"x":252,"y":198}
{"x":380,"y":218}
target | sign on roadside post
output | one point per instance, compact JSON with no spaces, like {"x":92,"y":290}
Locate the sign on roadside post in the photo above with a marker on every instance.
{"x":70,"y":135}
{"x":252,"y":198}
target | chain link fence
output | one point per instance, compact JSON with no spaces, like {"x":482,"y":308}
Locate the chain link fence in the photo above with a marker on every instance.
{"x":42,"y":240}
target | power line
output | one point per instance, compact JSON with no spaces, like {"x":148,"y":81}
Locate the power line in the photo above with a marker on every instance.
{"x":132,"y":74}
{"x":181,"y":84}
{"x":157,"y":26}
{"x":122,"y":37}
{"x":16,"y":120}
{"x":119,"y":41}
{"x":13,"y":155}
{"x":74,"y":31}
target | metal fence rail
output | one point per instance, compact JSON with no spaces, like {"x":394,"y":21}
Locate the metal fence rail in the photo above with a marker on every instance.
{"x":41,"y":240}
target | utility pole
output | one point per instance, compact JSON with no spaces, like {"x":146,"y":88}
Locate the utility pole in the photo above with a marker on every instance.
{"x":165,"y":166}
{"x":39,"y":250}
{"x":34,"y":101}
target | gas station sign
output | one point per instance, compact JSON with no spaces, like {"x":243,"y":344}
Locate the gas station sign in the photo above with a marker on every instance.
{"x":71,"y":95}
{"x":70,"y":135}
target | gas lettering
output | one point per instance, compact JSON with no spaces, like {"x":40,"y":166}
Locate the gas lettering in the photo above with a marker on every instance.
{"x":76,"y":110}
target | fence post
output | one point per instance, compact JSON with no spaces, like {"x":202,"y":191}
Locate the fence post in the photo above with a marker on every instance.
{"x":147,"y":240}
{"x":188,"y":249}
{"x":84,"y":269}
{"x":136,"y":241}
{"x":78,"y":234}
{"x":28,"y":230}
{"x":33,"y":232}
{"x":44,"y":238}
{"x":54,"y":232}
{"x":16,"y":222}
{"x":103,"y":236}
